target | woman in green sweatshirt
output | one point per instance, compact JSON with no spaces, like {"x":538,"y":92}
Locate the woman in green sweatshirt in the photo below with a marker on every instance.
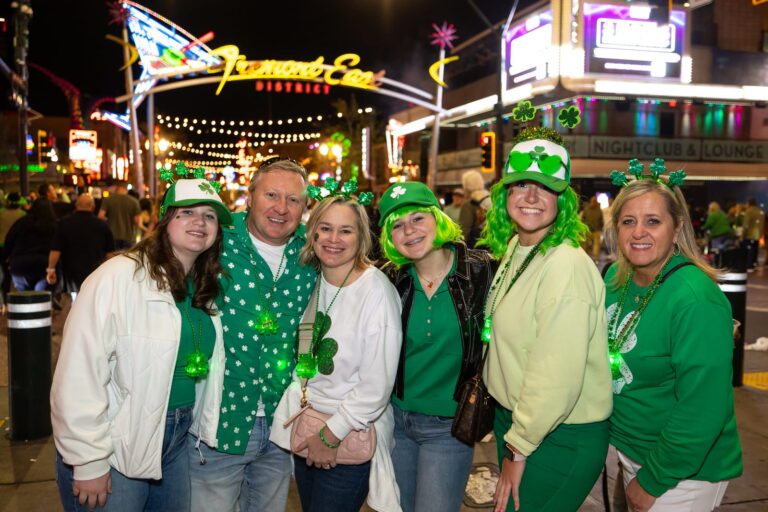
{"x":547,"y":363}
{"x":670,"y":346}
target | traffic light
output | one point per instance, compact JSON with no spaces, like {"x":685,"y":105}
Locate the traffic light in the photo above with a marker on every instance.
{"x":488,"y":150}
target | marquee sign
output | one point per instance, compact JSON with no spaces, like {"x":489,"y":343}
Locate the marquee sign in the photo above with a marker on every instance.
{"x":236,"y":67}
{"x":529,"y":46}
{"x":621,"y":39}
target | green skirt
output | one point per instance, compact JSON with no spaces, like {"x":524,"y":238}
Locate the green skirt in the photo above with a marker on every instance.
{"x":560,"y":473}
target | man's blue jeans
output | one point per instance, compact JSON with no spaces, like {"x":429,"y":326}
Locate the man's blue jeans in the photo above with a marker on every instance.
{"x":134,"y":494}
{"x":258,"y":479}
{"x":431,"y":466}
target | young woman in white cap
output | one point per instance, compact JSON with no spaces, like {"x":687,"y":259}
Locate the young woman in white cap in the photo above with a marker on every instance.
{"x":134,"y":358}
{"x":548,"y":365}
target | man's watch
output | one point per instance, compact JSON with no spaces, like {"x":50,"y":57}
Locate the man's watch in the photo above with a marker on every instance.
{"x":511,"y":454}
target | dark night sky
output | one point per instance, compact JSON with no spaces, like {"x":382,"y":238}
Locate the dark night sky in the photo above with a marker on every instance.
{"x":68,"y":38}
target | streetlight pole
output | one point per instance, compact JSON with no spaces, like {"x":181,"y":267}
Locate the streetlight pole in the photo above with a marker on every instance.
{"x":20,"y":44}
{"x":501,"y":73}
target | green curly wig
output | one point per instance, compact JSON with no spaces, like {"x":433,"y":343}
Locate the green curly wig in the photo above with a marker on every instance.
{"x":499,"y":227}
{"x":446,"y":230}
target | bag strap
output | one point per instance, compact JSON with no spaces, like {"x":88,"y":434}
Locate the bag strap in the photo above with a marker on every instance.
{"x":674,"y":269}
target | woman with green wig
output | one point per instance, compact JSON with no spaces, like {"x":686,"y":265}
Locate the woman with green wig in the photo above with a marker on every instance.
{"x":547,"y":363}
{"x":442,"y":285}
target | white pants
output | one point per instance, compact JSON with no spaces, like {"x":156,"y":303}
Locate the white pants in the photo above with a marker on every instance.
{"x":687,"y":496}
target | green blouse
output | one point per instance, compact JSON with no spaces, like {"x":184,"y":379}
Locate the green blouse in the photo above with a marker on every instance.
{"x":194,"y":323}
{"x":433,"y":352}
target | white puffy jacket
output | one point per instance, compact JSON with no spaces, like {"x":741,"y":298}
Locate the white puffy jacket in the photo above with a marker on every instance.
{"x":113,"y":378}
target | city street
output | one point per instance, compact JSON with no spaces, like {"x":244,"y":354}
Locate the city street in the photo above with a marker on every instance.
{"x":27,"y":477}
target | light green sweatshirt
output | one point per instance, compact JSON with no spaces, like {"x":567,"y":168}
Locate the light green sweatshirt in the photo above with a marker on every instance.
{"x":548,"y":359}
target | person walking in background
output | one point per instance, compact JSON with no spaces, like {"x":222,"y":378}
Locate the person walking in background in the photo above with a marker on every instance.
{"x":81,"y":243}
{"x":453,"y":210}
{"x":264,"y":293}
{"x":27,"y":245}
{"x":754,"y":222}
{"x":443,"y":286}
{"x":471,"y":216}
{"x":670,"y":341}
{"x":122,"y":213}
{"x":545,"y":316}
{"x":147,"y":217}
{"x":718,"y":228}
{"x":11,"y":212}
{"x":592,"y":215}
{"x":141,"y":345}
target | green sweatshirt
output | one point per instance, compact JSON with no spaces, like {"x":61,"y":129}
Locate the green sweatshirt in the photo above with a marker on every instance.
{"x":673,"y":403}
{"x":717,"y":223}
{"x":548,"y":358}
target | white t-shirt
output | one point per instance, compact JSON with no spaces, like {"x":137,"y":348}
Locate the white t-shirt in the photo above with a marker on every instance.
{"x":272,"y":254}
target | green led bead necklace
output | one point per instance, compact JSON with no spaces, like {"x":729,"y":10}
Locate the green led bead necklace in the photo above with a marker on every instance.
{"x":617,"y":339}
{"x":266,"y":322}
{"x":197,"y":363}
{"x":485,"y":335}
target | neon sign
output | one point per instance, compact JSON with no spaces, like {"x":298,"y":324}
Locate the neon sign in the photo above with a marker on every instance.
{"x":82,"y":145}
{"x":236,"y":67}
{"x":529,"y":45}
{"x":621,"y":40}
{"x":295,"y":87}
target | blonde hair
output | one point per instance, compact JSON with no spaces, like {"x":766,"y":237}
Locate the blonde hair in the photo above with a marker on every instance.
{"x":714,"y":207}
{"x":676,"y":207}
{"x":364,"y":242}
{"x":472,"y":181}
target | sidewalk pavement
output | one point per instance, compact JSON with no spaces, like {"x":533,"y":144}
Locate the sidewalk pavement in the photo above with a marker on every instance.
{"x":27,"y":475}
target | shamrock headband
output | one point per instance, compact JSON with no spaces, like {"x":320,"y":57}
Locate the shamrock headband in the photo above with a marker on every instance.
{"x":189,"y":188}
{"x":657,"y":168}
{"x":331,"y":189}
{"x":539,"y":155}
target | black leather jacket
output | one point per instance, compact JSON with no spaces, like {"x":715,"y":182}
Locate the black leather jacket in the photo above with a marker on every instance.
{"x":468,"y":287}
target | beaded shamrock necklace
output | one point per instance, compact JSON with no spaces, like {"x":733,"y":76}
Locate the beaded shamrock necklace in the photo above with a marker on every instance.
{"x":267,"y":321}
{"x":319,"y":358}
{"x":488,"y":323}
{"x":197,"y":363}
{"x":618,"y":338}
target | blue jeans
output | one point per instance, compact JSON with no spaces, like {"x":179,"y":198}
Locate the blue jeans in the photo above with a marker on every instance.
{"x":259,"y":478}
{"x":339,"y":489}
{"x":431,"y":466}
{"x":28,"y":283}
{"x":135,"y":494}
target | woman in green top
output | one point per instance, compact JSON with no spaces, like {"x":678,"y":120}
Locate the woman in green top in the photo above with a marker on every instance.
{"x":442,"y":285}
{"x":548,"y":364}
{"x":134,"y":357}
{"x":670,"y":344}
{"x":718,"y":227}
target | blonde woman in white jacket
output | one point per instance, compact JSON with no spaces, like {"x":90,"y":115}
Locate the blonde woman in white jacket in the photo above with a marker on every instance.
{"x":136,"y":353}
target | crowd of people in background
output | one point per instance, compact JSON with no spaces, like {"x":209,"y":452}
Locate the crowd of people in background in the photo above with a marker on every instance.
{"x":199,"y":339}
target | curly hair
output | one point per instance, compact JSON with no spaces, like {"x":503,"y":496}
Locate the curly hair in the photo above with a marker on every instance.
{"x":446,"y":230}
{"x":500,"y":228}
{"x":155,"y":255}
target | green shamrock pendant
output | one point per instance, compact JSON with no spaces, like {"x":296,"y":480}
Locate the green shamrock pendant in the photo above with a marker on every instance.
{"x":326,"y":349}
{"x":197,"y":365}
{"x":267,"y":323}
{"x":323,"y":348}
